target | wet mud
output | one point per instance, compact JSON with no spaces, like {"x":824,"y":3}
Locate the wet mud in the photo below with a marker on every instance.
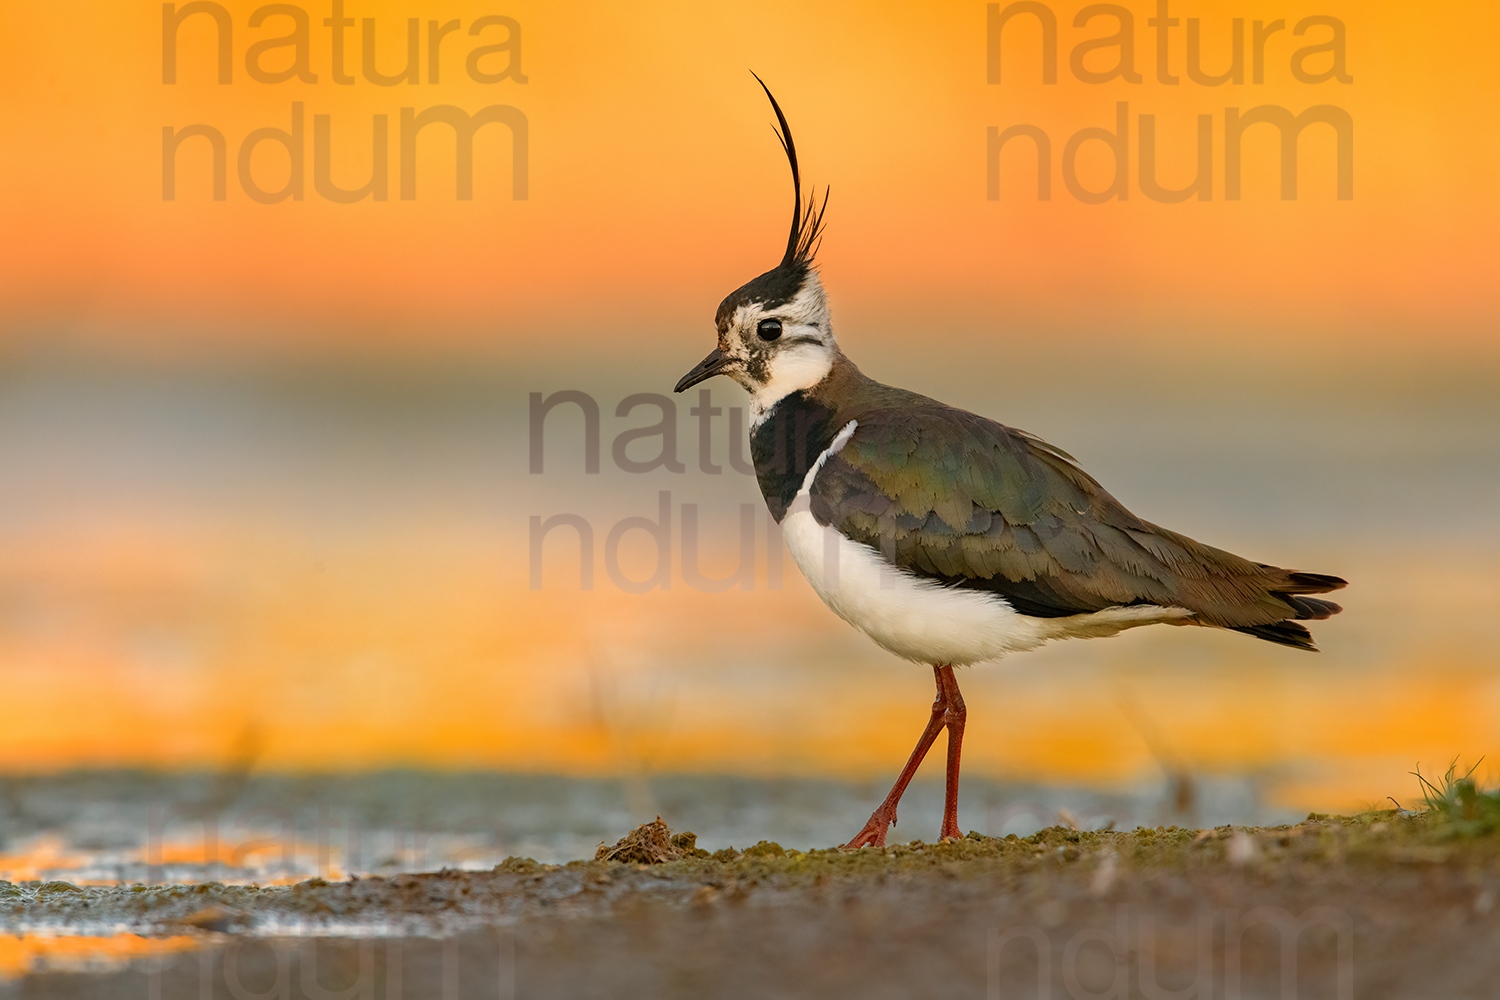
{"x":1384,"y":905}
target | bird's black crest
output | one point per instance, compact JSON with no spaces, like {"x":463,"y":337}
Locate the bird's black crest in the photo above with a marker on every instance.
{"x":807,"y":223}
{"x":781,"y":283}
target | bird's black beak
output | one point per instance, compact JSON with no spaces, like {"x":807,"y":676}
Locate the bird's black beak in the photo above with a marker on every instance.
{"x":710,"y":366}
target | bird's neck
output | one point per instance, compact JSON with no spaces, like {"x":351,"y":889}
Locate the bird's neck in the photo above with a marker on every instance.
{"x":786,"y":443}
{"x":789,"y":435}
{"x":815,"y":376}
{"x":799,"y":373}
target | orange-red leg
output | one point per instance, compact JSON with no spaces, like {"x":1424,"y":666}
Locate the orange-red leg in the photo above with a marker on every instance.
{"x":947,"y":712}
{"x":954,"y":716}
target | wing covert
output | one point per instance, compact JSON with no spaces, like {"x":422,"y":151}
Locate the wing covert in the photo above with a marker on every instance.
{"x":960,"y":499}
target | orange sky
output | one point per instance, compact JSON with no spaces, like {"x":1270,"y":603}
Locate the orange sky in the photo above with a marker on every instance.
{"x":655,"y":184}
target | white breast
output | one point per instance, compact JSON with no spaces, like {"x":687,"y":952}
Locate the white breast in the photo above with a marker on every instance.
{"x":921,"y":619}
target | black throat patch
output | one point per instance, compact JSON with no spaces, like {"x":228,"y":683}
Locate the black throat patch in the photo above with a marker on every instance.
{"x":786,"y":444}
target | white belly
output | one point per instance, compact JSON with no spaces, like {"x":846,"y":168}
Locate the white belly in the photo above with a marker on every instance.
{"x":921,"y":619}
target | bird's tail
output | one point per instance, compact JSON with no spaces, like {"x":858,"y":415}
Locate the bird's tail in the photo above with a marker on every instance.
{"x":1292,"y":591}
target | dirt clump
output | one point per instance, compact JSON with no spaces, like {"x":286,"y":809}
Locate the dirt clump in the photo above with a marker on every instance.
{"x":651,"y":844}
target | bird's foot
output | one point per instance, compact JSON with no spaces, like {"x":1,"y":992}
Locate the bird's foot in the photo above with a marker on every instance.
{"x":950,"y":830}
{"x":874,"y":830}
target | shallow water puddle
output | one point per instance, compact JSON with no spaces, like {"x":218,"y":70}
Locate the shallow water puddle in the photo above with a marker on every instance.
{"x":262,"y":861}
{"x":50,"y":951}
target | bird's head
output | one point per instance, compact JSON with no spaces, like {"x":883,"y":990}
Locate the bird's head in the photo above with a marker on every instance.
{"x":774,"y":333}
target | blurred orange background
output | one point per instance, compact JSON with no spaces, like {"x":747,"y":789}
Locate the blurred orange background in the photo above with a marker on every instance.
{"x":655,"y":186}
{"x":269,"y":461}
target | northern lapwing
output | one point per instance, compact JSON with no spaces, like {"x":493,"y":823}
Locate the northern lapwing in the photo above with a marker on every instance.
{"x":948,"y":538}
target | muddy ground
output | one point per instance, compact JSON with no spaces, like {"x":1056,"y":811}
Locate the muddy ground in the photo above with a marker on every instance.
{"x":1385,"y":905}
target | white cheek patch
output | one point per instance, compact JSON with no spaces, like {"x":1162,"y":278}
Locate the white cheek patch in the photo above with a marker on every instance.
{"x":801,"y":366}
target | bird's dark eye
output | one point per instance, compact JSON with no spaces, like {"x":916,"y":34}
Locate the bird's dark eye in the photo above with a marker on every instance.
{"x":769,"y":329}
